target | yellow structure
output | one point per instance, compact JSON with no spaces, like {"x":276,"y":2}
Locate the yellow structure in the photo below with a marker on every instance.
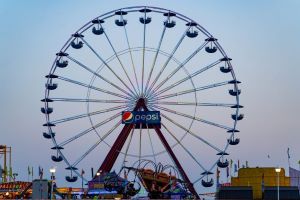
{"x":258,"y":178}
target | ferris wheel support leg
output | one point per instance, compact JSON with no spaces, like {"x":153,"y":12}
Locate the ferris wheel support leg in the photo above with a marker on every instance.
{"x":176,"y":162}
{"x":115,"y":150}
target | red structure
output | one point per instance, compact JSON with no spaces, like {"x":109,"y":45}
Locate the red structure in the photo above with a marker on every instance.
{"x":119,"y":143}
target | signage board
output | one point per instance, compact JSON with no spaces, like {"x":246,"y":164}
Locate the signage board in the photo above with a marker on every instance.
{"x":141,"y":117}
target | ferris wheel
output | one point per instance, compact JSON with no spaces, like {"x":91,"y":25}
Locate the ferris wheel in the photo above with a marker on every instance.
{"x":142,"y":83}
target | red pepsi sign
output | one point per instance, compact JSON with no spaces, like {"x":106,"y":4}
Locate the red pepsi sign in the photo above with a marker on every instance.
{"x":141,"y":117}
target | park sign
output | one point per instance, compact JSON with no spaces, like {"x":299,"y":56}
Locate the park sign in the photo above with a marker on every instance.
{"x":141,"y":117}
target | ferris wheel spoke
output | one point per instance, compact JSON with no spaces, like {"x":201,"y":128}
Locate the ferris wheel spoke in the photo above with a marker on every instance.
{"x":127,"y":147}
{"x":92,"y":87}
{"x":116,"y":54}
{"x":99,"y":76}
{"x":131,"y":57}
{"x":194,"y":118}
{"x":155,"y":58}
{"x":191,"y":133}
{"x":181,"y":103}
{"x":143,"y":62}
{"x":140,"y":143}
{"x":152,"y":148}
{"x":186,"y":150}
{"x":90,"y":100}
{"x":167,"y":61}
{"x":192,"y":90}
{"x":87,"y":115}
{"x":77,"y":136}
{"x":186,"y":78}
{"x":106,"y":64}
{"x":180,"y":66}
{"x":95,"y":145}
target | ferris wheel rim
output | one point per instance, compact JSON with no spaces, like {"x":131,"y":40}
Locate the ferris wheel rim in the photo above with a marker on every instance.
{"x":160,"y":10}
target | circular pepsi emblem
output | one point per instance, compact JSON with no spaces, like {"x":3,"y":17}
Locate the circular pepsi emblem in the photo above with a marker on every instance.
{"x":127,"y":117}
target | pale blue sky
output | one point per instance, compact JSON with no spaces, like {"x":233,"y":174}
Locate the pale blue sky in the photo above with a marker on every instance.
{"x":262,"y":37}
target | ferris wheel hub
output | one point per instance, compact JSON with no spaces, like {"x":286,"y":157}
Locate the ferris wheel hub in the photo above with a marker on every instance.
{"x":141,"y":102}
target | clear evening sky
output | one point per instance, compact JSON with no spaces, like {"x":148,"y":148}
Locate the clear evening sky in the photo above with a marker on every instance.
{"x":260,"y":36}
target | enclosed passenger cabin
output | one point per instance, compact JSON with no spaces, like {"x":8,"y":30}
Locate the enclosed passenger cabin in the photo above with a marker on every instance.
{"x":62,"y":63}
{"x":145,"y":21}
{"x":239,"y":117}
{"x":223,"y":164}
{"x":71,"y":179}
{"x":122,"y":22}
{"x":169,"y":24}
{"x":51,"y":86}
{"x":56,"y":158}
{"x":97,"y":29}
{"x":206,"y":183}
{"x":46,"y":110}
{"x":211,"y":49}
{"x":234,"y":92}
{"x":48,"y":135}
{"x":192,"y":34}
{"x":77,"y":44}
{"x":233,"y":141}
{"x":225,"y":69}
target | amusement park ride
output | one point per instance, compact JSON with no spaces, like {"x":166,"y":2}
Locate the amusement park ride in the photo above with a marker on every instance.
{"x":145,"y":98}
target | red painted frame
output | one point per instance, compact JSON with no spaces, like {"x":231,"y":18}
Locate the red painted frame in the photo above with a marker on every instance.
{"x":115,"y":150}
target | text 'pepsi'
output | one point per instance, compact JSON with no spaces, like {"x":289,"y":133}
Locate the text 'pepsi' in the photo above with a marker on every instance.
{"x":141,"y":117}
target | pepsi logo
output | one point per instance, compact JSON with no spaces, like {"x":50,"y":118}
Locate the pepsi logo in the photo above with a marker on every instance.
{"x":127,"y":117}
{"x":141,"y":117}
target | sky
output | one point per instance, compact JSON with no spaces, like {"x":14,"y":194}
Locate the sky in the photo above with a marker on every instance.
{"x":260,"y":36}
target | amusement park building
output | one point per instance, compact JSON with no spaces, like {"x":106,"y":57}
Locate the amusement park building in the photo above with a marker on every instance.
{"x":259,"y":183}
